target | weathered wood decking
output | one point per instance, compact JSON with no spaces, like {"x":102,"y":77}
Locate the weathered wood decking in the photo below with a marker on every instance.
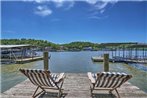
{"x":75,"y":86}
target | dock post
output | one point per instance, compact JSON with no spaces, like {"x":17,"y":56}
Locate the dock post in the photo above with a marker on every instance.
{"x":106,"y":62}
{"x":123,"y":51}
{"x":45,"y":58}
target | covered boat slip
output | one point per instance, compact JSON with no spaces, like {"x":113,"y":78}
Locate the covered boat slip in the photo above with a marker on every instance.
{"x":18,"y":53}
{"x":124,"y":52}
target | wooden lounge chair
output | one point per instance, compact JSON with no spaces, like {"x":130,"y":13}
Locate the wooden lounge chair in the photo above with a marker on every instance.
{"x":107,"y":81}
{"x":43,"y":79}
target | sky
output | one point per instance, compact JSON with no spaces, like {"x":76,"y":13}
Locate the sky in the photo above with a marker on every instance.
{"x":62,"y":21}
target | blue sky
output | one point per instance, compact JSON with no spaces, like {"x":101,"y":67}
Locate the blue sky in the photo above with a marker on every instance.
{"x":62,"y":21}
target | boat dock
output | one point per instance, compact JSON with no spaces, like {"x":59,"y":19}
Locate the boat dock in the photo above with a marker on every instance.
{"x":76,"y":85}
{"x":124,"y":52}
{"x":19,"y":54}
{"x":118,"y":59}
{"x":99,"y":59}
{"x":26,"y":60}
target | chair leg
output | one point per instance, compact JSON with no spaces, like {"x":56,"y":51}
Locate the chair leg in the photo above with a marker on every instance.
{"x":60,"y":90}
{"x":35,"y":92}
{"x":110,"y":92}
{"x":35,"y":95}
{"x":117,"y":93}
{"x":91,"y":91}
{"x":59,"y":93}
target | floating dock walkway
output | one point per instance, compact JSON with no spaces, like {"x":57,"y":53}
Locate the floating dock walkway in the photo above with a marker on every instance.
{"x":26,"y":60}
{"x":76,"y":85}
{"x":99,"y":59}
{"x":121,"y":60}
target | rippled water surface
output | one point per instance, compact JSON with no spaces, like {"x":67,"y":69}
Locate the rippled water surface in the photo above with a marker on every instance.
{"x":73,"y":62}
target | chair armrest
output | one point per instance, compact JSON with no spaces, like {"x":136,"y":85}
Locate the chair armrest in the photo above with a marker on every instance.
{"x":60,"y":77}
{"x":91,"y":77}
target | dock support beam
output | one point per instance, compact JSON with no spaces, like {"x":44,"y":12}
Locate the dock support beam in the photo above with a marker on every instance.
{"x":106,"y":62}
{"x":45,"y":58}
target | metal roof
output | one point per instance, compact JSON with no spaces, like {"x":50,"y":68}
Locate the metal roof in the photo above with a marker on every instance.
{"x":14,"y":46}
{"x":118,"y":44}
{"x":139,"y":46}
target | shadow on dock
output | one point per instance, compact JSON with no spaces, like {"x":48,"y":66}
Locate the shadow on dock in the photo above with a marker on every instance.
{"x":104,"y":96}
{"x":52,"y":95}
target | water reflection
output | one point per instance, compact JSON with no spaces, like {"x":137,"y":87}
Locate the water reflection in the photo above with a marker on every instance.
{"x":139,"y":66}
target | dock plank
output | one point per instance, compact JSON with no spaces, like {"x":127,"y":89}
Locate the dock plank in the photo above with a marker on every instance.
{"x":76,"y":85}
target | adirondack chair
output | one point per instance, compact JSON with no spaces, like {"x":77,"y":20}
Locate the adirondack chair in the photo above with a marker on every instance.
{"x":107,"y":81}
{"x":44,"y":79}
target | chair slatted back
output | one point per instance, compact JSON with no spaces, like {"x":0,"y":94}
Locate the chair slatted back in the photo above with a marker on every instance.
{"x":111,"y":79}
{"x":39,"y":77}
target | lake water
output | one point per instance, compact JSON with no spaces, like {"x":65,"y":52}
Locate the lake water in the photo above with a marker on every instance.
{"x":72,"y":62}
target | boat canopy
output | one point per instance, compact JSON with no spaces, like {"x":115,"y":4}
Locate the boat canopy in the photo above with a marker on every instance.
{"x":14,"y":46}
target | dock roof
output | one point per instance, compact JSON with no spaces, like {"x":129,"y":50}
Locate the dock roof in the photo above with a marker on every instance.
{"x":118,"y":44}
{"x":144,"y":45}
{"x":15,"y":46}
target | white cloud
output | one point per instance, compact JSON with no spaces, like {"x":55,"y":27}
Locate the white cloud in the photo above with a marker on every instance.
{"x":98,"y":7}
{"x":58,"y":3}
{"x":111,"y":1}
{"x":39,"y":1}
{"x":94,"y":17}
{"x":101,"y":5}
{"x":97,"y":17}
{"x":70,"y":5}
{"x":102,"y":11}
{"x":91,"y":1}
{"x":64,"y":3}
{"x":43,"y":11}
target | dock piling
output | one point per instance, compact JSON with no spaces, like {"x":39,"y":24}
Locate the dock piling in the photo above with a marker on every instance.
{"x":106,"y":62}
{"x":45,"y":58}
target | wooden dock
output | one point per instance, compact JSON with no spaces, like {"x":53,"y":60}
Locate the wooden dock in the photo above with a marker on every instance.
{"x":26,"y":60}
{"x":99,"y":59}
{"x":76,"y":85}
{"x":119,"y":60}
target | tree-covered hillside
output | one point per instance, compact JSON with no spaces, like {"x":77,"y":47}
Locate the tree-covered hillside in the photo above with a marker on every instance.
{"x":73,"y":46}
{"x":44,"y":43}
{"x":39,"y":43}
{"x":80,"y":45}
